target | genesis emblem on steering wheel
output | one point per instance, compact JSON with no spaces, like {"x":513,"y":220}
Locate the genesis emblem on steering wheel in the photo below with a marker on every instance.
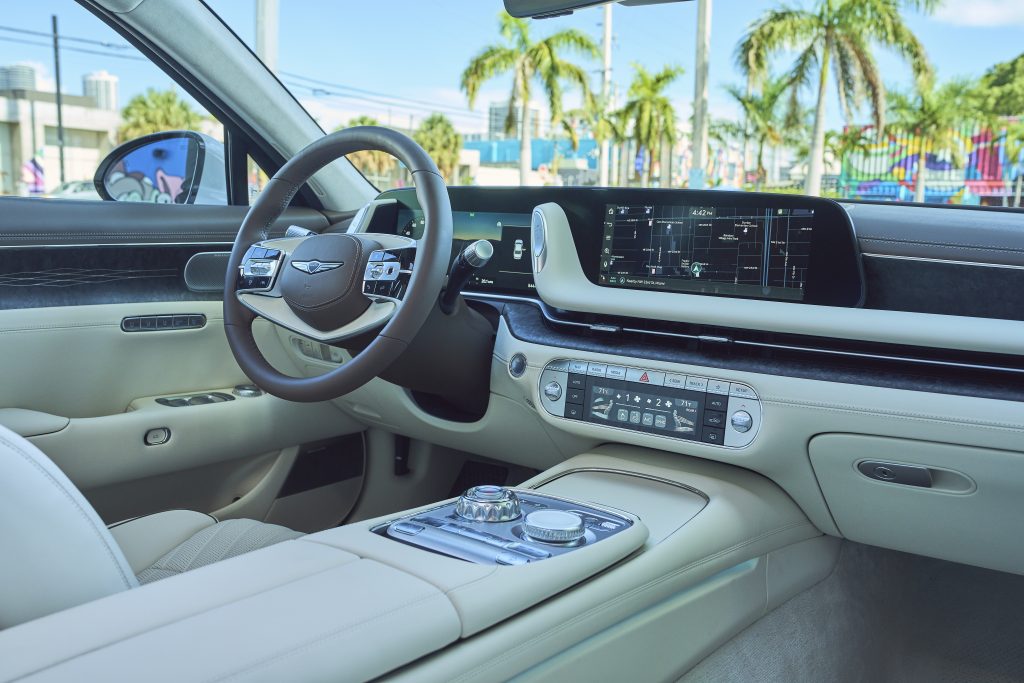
{"x":313,"y":267}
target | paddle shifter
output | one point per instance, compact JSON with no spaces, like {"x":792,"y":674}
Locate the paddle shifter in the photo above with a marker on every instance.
{"x":472,"y":258}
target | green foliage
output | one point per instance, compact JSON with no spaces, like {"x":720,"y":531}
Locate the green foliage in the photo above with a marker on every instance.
{"x":836,"y":35}
{"x":442,"y":142}
{"x":530,"y":61}
{"x":650,"y":111}
{"x":840,"y":33}
{"x":934,"y":112}
{"x":156,"y":111}
{"x":374,"y":165}
{"x":1002,"y":88}
{"x":764,"y":122}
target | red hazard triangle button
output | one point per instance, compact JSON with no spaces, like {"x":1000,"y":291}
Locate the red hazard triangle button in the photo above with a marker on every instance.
{"x":645,"y":378}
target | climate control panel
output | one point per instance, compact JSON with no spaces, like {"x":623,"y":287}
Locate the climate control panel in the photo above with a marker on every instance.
{"x":712,"y":411}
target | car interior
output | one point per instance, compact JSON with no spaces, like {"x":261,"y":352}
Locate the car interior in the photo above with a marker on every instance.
{"x":475,"y":434}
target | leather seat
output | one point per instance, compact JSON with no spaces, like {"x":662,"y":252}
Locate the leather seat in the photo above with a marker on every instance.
{"x":57,"y":553}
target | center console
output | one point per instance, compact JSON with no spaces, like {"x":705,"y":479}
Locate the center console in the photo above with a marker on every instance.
{"x":496,"y":525}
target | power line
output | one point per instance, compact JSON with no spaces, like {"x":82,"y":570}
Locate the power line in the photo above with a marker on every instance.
{"x":88,"y":41}
{"x":433,"y":106}
{"x":404,"y":108}
{"x":134,"y":58}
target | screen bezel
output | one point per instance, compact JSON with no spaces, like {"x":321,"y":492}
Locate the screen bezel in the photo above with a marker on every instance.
{"x":835,"y":275}
{"x":835,"y":272}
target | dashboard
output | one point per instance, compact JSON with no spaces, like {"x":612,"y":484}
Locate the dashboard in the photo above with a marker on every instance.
{"x":736,"y":245}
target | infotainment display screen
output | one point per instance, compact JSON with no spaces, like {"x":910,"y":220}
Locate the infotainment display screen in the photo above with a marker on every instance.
{"x":732,"y":251}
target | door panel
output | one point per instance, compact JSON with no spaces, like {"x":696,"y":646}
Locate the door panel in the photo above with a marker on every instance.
{"x":70,"y":274}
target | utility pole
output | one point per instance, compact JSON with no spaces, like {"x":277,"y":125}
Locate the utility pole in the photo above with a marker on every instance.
{"x":267,"y":12}
{"x":60,"y":103}
{"x":700,"y":97}
{"x":606,"y":91}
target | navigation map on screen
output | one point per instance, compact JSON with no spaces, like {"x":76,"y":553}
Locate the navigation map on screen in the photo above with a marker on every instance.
{"x":758,"y":252}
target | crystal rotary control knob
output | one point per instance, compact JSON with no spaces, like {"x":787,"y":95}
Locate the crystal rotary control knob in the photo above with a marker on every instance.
{"x":741,"y":421}
{"x":488,"y":504}
{"x":553,"y":391}
{"x":554,"y":526}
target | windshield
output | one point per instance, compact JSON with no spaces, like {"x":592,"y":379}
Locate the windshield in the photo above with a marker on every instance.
{"x":905,"y":100}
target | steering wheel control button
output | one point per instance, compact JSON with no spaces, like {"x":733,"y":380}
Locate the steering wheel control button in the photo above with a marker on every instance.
{"x":554,"y":526}
{"x":157,"y":437}
{"x":741,"y":421}
{"x":517,"y":365}
{"x":553,"y":391}
{"x":488,"y":503}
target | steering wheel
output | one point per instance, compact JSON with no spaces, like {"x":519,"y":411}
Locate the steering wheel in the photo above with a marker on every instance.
{"x":336,"y":286}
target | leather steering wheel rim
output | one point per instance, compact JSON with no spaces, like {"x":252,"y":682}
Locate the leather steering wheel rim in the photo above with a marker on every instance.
{"x":431,"y":264}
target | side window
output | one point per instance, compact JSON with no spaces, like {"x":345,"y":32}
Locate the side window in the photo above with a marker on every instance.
{"x":118,"y":119}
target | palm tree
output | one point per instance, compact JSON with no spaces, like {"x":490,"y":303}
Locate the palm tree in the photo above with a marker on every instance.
{"x":837,"y":35}
{"x":604,"y":126}
{"x":764,"y":121}
{"x":442,"y":142}
{"x":651,"y":113}
{"x":374,"y":165}
{"x":156,"y":111}
{"x":529,"y":60}
{"x":932,"y":114}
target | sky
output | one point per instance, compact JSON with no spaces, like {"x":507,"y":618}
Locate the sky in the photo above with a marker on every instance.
{"x":417,"y":49}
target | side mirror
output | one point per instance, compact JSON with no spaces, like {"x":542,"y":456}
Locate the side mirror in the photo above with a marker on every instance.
{"x":174,"y":167}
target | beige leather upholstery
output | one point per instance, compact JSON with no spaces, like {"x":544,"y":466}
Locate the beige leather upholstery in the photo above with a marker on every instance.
{"x":144,"y":540}
{"x":57,"y":551}
{"x":58,"y":554}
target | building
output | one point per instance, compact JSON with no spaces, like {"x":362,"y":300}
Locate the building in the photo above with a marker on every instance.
{"x":28,"y":130}
{"x":497,"y":116}
{"x":17,"y":77}
{"x":102,"y":87}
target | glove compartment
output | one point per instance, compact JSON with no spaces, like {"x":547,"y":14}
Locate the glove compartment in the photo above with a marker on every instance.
{"x":965,"y":506}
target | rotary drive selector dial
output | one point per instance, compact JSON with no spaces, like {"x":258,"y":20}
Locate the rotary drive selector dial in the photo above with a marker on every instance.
{"x":488,"y":504}
{"x":554,"y":526}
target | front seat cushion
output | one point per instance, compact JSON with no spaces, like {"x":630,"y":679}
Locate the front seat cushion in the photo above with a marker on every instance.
{"x":214,"y":543}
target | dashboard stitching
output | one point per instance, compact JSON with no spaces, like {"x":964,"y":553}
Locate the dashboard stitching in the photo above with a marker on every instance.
{"x":944,"y":245}
{"x":924,"y":417}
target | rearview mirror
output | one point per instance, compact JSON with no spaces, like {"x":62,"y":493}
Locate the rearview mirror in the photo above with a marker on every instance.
{"x":541,"y":9}
{"x":173,"y":167}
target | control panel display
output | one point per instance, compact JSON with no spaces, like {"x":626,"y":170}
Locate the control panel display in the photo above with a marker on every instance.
{"x":712,"y":411}
{"x":509,"y":270}
{"x":730,"y":251}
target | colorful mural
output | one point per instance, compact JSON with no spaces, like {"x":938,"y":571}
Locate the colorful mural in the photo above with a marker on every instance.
{"x":976,"y":170}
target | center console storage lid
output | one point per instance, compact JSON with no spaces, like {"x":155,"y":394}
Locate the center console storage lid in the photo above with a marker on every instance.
{"x":299,"y":610}
{"x":484,"y":595}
